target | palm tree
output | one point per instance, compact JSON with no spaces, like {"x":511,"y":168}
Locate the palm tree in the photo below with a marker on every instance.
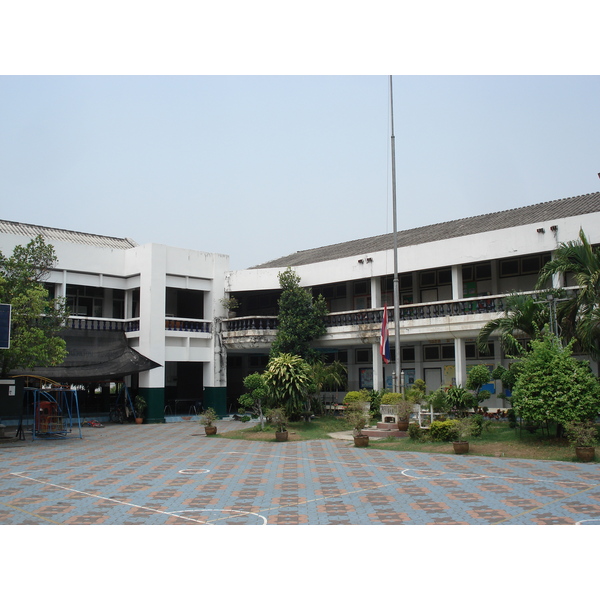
{"x":523,"y":318}
{"x":579,"y":315}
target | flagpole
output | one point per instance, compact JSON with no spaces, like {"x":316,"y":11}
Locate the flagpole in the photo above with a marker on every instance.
{"x":398,"y":388}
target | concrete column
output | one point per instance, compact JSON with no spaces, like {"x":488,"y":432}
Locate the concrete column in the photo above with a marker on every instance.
{"x":152,"y":326}
{"x":376,"y":292}
{"x":460,"y":361}
{"x":457,"y":282}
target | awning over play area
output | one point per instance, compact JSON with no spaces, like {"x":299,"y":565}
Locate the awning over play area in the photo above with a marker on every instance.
{"x":95,"y":356}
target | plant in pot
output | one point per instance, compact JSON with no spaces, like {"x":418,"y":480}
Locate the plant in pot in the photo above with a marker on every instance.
{"x":140,"y":406}
{"x":404,"y":409}
{"x":355,"y":416}
{"x":230,"y":305}
{"x":583,"y":436}
{"x":279,"y":420}
{"x":207,"y":418}
{"x":463,"y":429}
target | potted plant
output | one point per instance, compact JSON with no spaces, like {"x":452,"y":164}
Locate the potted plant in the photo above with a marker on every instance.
{"x":230,"y":304}
{"x":207,"y":418}
{"x":140,"y":409}
{"x":462,"y":430}
{"x":404,"y":409}
{"x":582,"y":435}
{"x":278,"y":418}
{"x":355,"y":416}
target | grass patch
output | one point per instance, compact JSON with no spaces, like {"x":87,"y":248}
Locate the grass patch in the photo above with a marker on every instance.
{"x":317,"y":429}
{"x":498,"y":440}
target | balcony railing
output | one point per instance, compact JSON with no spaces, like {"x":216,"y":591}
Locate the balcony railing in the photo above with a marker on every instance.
{"x":188,"y":325}
{"x":409,"y":312}
{"x":247,"y":323}
{"x":98,"y":324}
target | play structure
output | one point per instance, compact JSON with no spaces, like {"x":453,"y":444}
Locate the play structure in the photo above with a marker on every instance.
{"x":55,"y":411}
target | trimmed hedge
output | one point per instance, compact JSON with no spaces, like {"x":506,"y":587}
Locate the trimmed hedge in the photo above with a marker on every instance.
{"x":443,"y":431}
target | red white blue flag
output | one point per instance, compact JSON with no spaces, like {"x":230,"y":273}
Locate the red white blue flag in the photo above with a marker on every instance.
{"x":384,"y":344}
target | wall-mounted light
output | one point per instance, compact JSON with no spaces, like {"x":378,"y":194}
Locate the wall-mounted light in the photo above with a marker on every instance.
{"x":361,"y":261}
{"x":541,"y":230}
{"x":554,"y":228}
{"x":369,"y":259}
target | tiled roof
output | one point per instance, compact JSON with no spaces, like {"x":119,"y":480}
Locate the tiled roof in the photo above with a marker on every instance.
{"x":64,"y":235}
{"x":536,"y":213}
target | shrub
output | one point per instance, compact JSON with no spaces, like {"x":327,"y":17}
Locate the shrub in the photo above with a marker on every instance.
{"x":511,"y":415}
{"x":352,"y":397}
{"x":415,"y":432}
{"x":375,"y":399}
{"x":477,"y":425}
{"x":443,"y":431}
{"x":391,"y":398}
{"x":581,"y":433}
{"x":554,"y":385}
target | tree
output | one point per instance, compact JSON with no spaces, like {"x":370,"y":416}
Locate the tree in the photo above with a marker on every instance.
{"x":256,"y":396}
{"x":478,"y":376}
{"x":552,"y":385}
{"x":36,"y":318}
{"x":579,"y":315}
{"x":288,"y":378}
{"x":301,"y":318}
{"x":523,"y":318}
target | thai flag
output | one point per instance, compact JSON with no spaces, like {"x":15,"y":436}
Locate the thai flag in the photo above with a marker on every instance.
{"x":384,"y":344}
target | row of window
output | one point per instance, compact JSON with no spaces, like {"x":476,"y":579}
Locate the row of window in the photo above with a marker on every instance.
{"x":431,"y":352}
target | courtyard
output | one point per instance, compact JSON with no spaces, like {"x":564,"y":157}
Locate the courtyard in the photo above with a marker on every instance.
{"x":173,"y":474}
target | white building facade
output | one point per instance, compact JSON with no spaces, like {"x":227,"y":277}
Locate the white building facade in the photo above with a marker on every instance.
{"x":453,"y":278}
{"x":164,"y":300}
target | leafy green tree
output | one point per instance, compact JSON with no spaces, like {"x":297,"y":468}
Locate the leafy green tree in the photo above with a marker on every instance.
{"x":301,"y":318}
{"x":477,"y":377}
{"x":579,"y":316}
{"x":288,"y":378}
{"x":460,"y":399}
{"x":36,"y":318}
{"x":552,"y":385}
{"x":256,"y":396}
{"x":523,"y":318}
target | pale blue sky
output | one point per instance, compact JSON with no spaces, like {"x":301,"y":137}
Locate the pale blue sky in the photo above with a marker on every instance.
{"x":261,"y":166}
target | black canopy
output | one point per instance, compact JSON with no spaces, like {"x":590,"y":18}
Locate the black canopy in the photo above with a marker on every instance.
{"x":95,"y":356}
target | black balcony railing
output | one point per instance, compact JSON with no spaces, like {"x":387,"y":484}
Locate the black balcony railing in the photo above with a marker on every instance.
{"x":187,"y":326}
{"x":95,"y":324}
{"x":411,"y":312}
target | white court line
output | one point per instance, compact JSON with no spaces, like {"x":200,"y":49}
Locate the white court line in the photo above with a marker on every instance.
{"x":194,"y":471}
{"x":68,"y":489}
{"x":242,"y":512}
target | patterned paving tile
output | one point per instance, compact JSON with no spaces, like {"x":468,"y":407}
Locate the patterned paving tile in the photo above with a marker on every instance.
{"x":168,"y":474}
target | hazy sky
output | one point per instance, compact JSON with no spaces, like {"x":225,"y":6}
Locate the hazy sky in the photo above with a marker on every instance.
{"x":261,"y":166}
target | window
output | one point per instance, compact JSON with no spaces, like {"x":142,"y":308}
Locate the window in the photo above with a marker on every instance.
{"x":408,"y":354}
{"x":362,"y":356}
{"x":526,"y":265}
{"x":431,"y":352}
{"x":472,"y":351}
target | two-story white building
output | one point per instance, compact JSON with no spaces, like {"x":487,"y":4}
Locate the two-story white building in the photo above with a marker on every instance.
{"x":140,"y":313}
{"x":151,"y":314}
{"x":453,"y":278}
